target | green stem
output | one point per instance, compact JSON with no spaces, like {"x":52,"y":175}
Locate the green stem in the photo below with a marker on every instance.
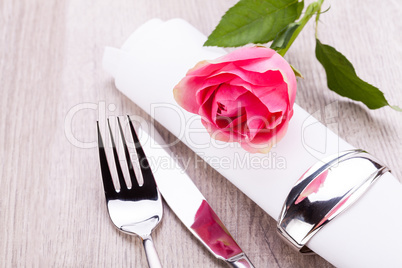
{"x":317,"y":18}
{"x":312,"y":9}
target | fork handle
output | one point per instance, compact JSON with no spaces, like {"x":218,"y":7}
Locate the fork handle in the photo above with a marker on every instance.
{"x":150,"y":252}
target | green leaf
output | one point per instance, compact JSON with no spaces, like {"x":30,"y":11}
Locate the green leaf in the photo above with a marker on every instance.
{"x":342,"y":78}
{"x":313,"y":8}
{"x":254,"y":21}
{"x":297,"y":72}
{"x":283,"y":37}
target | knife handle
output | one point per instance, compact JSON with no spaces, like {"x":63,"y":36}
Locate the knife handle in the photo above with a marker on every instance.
{"x":240,"y":261}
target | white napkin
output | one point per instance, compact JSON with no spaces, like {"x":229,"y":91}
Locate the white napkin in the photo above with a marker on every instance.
{"x":155,"y":58}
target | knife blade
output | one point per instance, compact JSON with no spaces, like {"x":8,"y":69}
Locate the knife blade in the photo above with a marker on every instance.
{"x":187,"y":202}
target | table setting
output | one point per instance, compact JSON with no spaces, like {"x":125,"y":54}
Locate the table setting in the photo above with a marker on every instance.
{"x":123,"y":120}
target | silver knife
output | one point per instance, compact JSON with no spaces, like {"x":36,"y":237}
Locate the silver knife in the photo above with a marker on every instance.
{"x":187,"y":202}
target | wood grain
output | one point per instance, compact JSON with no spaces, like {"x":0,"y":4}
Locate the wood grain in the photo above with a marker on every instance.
{"x":51,"y":199}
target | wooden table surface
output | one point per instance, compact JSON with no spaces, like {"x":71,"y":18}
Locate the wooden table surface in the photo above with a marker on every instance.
{"x":52,"y":207}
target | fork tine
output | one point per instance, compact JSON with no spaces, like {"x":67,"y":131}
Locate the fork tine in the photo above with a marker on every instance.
{"x":122,"y":182}
{"x":144,"y":165}
{"x":106,"y":175}
{"x":134,"y":181}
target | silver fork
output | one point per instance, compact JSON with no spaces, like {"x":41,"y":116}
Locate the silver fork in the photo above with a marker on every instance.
{"x":136,"y":210}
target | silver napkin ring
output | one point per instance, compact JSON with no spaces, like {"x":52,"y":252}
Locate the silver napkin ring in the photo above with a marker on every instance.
{"x":328,"y":188}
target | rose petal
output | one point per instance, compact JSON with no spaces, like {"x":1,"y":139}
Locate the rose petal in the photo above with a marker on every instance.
{"x":218,"y":133}
{"x":276,"y":96}
{"x":189,"y":87}
{"x":204,"y":94}
{"x":184,"y":93}
{"x":268,"y":83}
{"x":229,"y":92}
{"x":243,"y":54}
{"x":246,"y":53}
{"x":273,"y":136}
{"x":256,"y":111}
{"x":276,"y":100}
{"x":252,"y":77}
{"x":276,"y":62}
{"x":239,"y":125}
{"x":256,"y":148}
{"x":225,"y":100}
{"x":290,"y":79}
{"x":215,"y":79}
{"x":205,"y":109}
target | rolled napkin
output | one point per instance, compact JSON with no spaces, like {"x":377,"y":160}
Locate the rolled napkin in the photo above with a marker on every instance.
{"x":158,"y":55}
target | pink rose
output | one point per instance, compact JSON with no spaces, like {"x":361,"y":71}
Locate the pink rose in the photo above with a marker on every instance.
{"x":246,"y":96}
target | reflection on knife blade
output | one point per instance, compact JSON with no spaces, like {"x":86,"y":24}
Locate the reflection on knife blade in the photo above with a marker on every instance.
{"x":210,"y":228}
{"x":190,"y":206}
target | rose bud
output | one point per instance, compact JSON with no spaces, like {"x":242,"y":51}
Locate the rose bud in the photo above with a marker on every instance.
{"x":245,"y":96}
